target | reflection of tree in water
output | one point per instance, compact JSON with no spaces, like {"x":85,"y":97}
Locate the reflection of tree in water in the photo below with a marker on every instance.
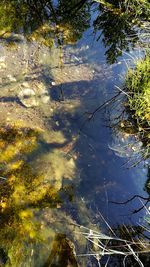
{"x":65,"y":22}
{"x":118,"y":21}
{"x":147,"y":185}
{"x":128,"y":143}
{"x":129,"y":233}
{"x":147,"y":189}
{"x":130,"y":140}
{"x":25,"y":191}
{"x":44,"y":21}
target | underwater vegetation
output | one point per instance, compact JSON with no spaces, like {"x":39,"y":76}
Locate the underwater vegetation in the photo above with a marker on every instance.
{"x":38,"y":174}
{"x":25,"y":184}
{"x":37,"y":178}
{"x":30,"y":197}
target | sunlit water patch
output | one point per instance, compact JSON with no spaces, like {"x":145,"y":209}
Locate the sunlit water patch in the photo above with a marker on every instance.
{"x":61,"y":164}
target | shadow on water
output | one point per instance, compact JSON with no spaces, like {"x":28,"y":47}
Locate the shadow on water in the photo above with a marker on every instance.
{"x":100,"y":178}
{"x":57,"y":177}
{"x":10,"y":100}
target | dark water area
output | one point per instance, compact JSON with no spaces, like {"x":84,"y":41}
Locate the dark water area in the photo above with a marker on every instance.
{"x":67,"y":170}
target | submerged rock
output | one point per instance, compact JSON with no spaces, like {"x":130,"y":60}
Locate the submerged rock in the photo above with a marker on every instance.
{"x":45,"y":99}
{"x":27,"y":97}
{"x":2,"y":64}
{"x":11,"y":78}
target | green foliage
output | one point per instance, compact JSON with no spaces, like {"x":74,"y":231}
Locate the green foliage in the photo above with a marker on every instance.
{"x":137,"y":86}
{"x":138,"y":8}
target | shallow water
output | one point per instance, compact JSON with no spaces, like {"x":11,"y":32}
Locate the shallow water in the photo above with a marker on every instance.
{"x":60,"y":166}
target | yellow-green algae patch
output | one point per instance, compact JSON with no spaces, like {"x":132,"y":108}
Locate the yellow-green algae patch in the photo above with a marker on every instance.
{"x":30,"y":183}
{"x":30,"y":201}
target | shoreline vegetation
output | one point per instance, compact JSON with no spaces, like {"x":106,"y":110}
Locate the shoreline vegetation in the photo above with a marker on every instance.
{"x":137,"y":88}
{"x":34,"y":192}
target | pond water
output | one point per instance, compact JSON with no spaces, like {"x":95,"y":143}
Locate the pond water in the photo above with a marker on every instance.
{"x":64,"y":165}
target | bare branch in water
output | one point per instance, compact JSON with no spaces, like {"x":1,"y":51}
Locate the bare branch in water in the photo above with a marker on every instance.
{"x":129,"y":200}
{"x":105,"y":104}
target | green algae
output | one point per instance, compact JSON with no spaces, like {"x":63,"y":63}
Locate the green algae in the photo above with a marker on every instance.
{"x":30,"y":199}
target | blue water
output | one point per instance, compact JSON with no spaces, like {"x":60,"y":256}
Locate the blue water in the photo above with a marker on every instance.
{"x":101,"y":175}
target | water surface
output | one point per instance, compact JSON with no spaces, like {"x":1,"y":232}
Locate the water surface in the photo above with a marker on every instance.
{"x":62,"y":163}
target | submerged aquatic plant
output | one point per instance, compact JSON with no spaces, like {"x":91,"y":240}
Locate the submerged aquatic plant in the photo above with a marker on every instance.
{"x":24,"y":190}
{"x":36,"y":180}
